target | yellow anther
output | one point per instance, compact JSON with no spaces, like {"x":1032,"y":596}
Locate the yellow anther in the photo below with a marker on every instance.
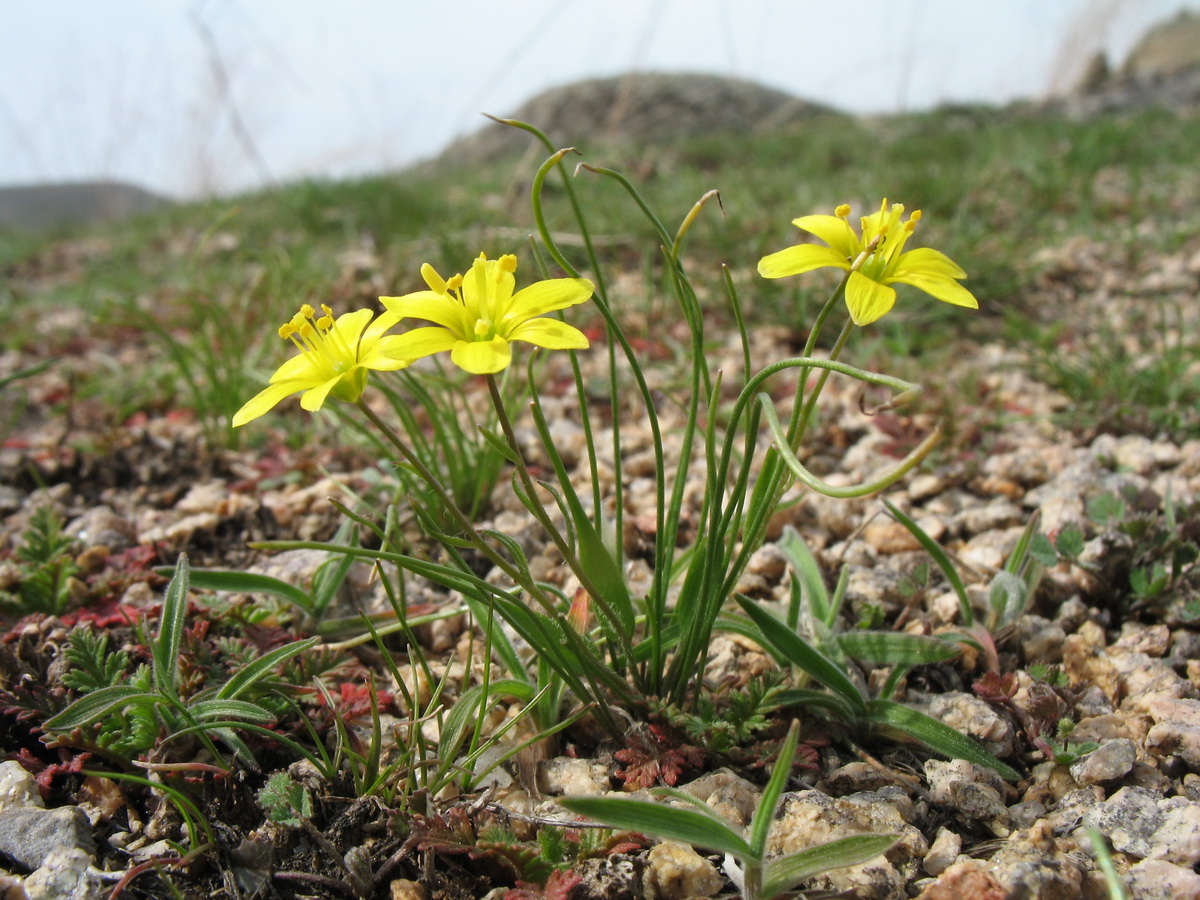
{"x":286,"y":330}
{"x":436,"y":283}
{"x":508,"y":263}
{"x":325,"y":322}
{"x":305,"y":330}
{"x":482,"y":255}
{"x":327,"y":310}
{"x":842,"y":211}
{"x":307,"y":311}
{"x":454,"y":283}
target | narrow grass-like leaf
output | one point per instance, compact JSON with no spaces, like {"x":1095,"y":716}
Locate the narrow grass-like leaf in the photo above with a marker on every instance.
{"x":784,"y":874}
{"x":248,"y":583}
{"x":935,"y":735}
{"x":165,"y":650}
{"x":499,"y":444}
{"x":246,"y":676}
{"x":207,"y":710}
{"x":943,"y":562}
{"x":803,"y":654}
{"x":764,"y":815}
{"x":671,"y":822}
{"x":466,"y":710}
{"x":97,"y":704}
{"x":887,"y":648}
{"x":807,"y":572}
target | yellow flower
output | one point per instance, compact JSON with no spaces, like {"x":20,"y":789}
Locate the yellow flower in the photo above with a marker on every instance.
{"x":477,"y":315}
{"x":333,"y":361}
{"x":874,"y":261}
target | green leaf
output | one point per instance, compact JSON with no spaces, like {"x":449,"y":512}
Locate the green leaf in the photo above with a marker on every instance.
{"x":807,"y":572}
{"x":943,"y":562}
{"x":214,"y":710}
{"x":165,"y":650}
{"x":499,"y":444}
{"x":888,"y":648}
{"x":764,"y":815}
{"x":1008,"y":596}
{"x":466,"y":710}
{"x":671,"y":822}
{"x":1070,"y":542}
{"x":784,"y":874}
{"x":801,"y":653}
{"x":246,"y":677}
{"x":249,"y":583}
{"x":1043,"y":551}
{"x":935,"y":735}
{"x":97,"y":704}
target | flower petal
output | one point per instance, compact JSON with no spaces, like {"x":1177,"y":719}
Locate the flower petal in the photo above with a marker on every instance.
{"x":928,"y":261}
{"x":441,"y":309}
{"x":383,"y":322}
{"x":945,"y":289}
{"x":419,"y":342}
{"x":550,"y":333}
{"x":836,"y":232}
{"x":297,"y":368}
{"x":799,"y":259}
{"x":867,"y":300}
{"x":482,"y":357}
{"x":264,"y":401}
{"x":387,"y":354}
{"x":542,"y":297}
{"x":314,"y":398}
{"x":350,"y":325}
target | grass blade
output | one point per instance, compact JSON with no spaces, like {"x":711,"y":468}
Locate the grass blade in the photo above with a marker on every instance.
{"x":672,"y":822}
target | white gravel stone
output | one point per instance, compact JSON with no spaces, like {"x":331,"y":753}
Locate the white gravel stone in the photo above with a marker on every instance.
{"x":942,"y":852}
{"x":675,"y":871}
{"x":970,"y":791}
{"x":18,"y":787}
{"x":572,"y":777}
{"x":1108,"y":762}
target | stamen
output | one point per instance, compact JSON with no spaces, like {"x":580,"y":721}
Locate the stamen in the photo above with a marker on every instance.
{"x":842,"y":211}
{"x":482,"y":327}
{"x":455,"y":282}
{"x":286,"y":330}
{"x":435,"y":281}
{"x":508,"y":263}
{"x":327,"y":310}
{"x":307,"y":311}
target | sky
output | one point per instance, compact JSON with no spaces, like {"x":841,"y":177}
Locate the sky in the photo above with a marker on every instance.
{"x":195,"y":97}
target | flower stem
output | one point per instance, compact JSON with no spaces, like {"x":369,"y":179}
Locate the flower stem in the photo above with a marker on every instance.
{"x":457,"y":514}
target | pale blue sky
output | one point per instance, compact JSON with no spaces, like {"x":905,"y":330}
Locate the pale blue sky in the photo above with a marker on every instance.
{"x":127,"y":88}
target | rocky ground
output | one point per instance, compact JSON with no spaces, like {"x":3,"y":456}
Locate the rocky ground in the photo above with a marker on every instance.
{"x":1127,"y":654}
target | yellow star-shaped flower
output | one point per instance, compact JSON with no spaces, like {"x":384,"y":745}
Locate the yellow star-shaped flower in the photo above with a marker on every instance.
{"x":875,"y":261}
{"x":333,"y":361}
{"x":476,"y":316}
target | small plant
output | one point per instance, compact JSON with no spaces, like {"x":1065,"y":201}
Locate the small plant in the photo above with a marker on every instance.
{"x":746,"y":863}
{"x":156,"y":704}
{"x":46,"y":567}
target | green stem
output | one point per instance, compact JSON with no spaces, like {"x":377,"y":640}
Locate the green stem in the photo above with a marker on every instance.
{"x":468,"y":529}
{"x":539,"y":511}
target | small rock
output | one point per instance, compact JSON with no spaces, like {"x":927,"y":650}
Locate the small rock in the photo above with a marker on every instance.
{"x":1176,"y":730}
{"x":987,"y":551}
{"x":17,"y":787}
{"x":924,"y":486}
{"x":966,"y":880}
{"x":1041,"y":639}
{"x":992,"y":517}
{"x":611,"y":878}
{"x":1108,"y":762}
{"x":1032,"y":865}
{"x":1026,"y":813}
{"x":29,"y":835}
{"x":572,"y":777}
{"x":1157,"y":879}
{"x":888,"y":536}
{"x":729,"y":795}
{"x":1145,"y":824}
{"x":971,"y":715}
{"x":66,"y":874}
{"x":100,"y":526}
{"x":403,"y":889}
{"x":942,"y":852}
{"x":969,"y":790}
{"x":675,"y":871}
{"x":1152,"y":640}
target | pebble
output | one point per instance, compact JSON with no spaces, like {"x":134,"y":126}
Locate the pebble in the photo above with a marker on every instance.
{"x":972,"y":716}
{"x":1147,"y":825}
{"x":942,"y":852}
{"x":1157,"y":879}
{"x":572,"y":777}
{"x":811,"y":818}
{"x":17,"y":787}
{"x":965,"y":880}
{"x":972,"y":792}
{"x":101,"y":526}
{"x":1031,"y":864}
{"x":29,"y":834}
{"x":675,"y":871}
{"x":1176,"y":729}
{"x":732,"y":797}
{"x":67,"y":873}
{"x":1108,"y":762}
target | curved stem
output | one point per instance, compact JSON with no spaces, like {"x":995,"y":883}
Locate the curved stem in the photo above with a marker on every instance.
{"x":455,"y":513}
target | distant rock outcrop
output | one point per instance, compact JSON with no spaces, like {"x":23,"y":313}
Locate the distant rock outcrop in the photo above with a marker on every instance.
{"x":1162,"y":69}
{"x":40,"y":206}
{"x":643,"y":107}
